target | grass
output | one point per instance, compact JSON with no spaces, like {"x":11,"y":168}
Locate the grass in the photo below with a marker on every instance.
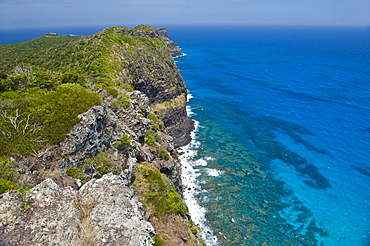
{"x":164,"y":208}
{"x":159,"y":192}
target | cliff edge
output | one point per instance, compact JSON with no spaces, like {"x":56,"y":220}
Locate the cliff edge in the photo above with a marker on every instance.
{"x":88,"y":135}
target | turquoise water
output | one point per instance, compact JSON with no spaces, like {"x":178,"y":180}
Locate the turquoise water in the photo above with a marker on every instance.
{"x":281,"y":154}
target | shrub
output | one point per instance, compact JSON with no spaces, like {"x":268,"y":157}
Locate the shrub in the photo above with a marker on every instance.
{"x":69,"y":77}
{"x":150,"y":139}
{"x":158,"y":192}
{"x":123,"y":143}
{"x":4,"y":83}
{"x":127,"y":87}
{"x":158,"y":124}
{"x":163,"y":154}
{"x":58,"y":110}
{"x":122,"y":101}
{"x":8,"y":176}
{"x":27,"y":123}
{"x":18,"y":81}
{"x":41,"y":80}
{"x":94,"y":167}
{"x":76,"y":173}
{"x":7,"y":185}
{"x":158,"y":241}
{"x":111,"y":91}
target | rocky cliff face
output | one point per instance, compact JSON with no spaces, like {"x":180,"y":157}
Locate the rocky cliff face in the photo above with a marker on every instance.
{"x":156,"y":75}
{"x":84,"y":187}
{"x":59,"y":211}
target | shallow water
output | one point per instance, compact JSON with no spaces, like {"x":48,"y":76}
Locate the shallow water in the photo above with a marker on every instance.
{"x":282,"y":145}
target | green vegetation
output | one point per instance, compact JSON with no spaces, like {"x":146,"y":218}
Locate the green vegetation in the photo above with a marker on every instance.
{"x":43,"y":82}
{"x":127,"y":87}
{"x":111,"y":91}
{"x":94,"y":57}
{"x":158,"y":241}
{"x":94,"y":167}
{"x":151,"y":136}
{"x":8,"y":176}
{"x":158,"y":124}
{"x":177,"y":102}
{"x":123,"y":143}
{"x":158,"y":192}
{"x":163,"y":154}
{"x":33,"y":118}
{"x":150,"y":139}
{"x":122,"y":101}
{"x":193,"y":227}
{"x":13,"y":54}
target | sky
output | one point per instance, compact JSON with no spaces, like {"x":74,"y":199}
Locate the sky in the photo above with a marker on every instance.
{"x":42,"y":13}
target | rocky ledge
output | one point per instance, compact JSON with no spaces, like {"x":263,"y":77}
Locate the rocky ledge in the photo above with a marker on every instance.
{"x":105,"y":210}
{"x":102,"y":212}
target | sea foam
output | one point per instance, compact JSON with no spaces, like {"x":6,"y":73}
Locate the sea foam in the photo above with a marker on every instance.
{"x":192,"y":187}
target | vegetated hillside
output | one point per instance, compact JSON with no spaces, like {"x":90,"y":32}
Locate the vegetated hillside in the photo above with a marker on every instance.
{"x":70,"y":110}
{"x":13,"y":54}
{"x":140,"y":57}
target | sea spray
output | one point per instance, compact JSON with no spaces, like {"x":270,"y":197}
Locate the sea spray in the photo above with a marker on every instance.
{"x":191,"y":186}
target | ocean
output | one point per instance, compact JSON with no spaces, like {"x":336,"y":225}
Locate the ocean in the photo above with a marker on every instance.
{"x":281,"y":150}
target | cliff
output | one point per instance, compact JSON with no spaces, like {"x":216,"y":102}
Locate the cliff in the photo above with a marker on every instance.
{"x":92,"y":124}
{"x":156,"y":75}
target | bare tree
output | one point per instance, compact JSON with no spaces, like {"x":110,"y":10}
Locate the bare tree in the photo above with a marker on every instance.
{"x":19,"y":124}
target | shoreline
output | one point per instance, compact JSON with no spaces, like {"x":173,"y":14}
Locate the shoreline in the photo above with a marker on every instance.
{"x":191,"y":186}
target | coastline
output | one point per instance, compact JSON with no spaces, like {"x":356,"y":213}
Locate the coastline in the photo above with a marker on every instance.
{"x":191,"y":187}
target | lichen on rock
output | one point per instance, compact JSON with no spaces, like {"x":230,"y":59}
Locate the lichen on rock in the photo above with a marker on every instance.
{"x":102,"y":212}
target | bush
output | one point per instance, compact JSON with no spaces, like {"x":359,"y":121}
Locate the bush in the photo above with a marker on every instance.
{"x":27,"y":123}
{"x":150,"y":139}
{"x":7,"y":185}
{"x":158,"y":241}
{"x":8,"y":176}
{"x":123,"y":143}
{"x":76,"y":173}
{"x":122,"y":101}
{"x":163,"y":154}
{"x":158,"y":192}
{"x":127,"y":87}
{"x":58,"y":110}
{"x":4,"y":83}
{"x":158,"y":124}
{"x":41,"y":80}
{"x":69,"y":77}
{"x":111,"y":91}
{"x":94,"y":167}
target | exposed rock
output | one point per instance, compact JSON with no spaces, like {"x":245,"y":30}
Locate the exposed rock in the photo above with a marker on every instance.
{"x":172,"y":46}
{"x":103,"y":212}
{"x":155,"y":73}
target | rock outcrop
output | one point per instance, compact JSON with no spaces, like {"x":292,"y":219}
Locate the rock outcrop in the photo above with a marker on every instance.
{"x":113,"y":137}
{"x":154,"y":73}
{"x":102,"y":212}
{"x":101,"y":128}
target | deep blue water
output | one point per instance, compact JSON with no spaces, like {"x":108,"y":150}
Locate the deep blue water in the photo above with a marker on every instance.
{"x":283,"y":145}
{"x":281,"y":154}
